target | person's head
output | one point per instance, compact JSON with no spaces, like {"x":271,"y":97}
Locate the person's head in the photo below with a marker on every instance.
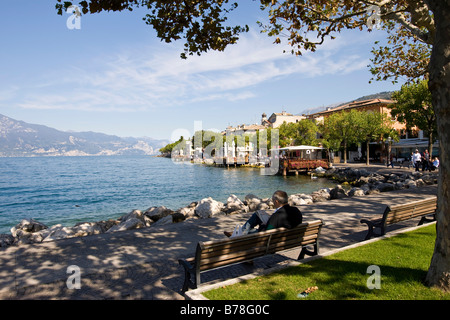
{"x":417,"y":150}
{"x":279,"y":198}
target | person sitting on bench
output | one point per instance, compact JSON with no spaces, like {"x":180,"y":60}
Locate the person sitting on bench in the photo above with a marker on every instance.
{"x":284,"y":216}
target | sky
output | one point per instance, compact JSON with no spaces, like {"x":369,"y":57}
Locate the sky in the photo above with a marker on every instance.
{"x":113,"y":75}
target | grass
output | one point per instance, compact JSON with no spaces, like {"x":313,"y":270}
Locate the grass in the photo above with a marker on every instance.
{"x":403,"y":261}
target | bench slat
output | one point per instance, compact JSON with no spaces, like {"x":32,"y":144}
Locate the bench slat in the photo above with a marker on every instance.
{"x":407,"y":215}
{"x":288,"y":238}
{"x":230,"y":258}
{"x":412,"y":212}
{"x":414,"y":203}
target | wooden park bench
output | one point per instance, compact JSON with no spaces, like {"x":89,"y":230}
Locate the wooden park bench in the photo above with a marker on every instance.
{"x":425,"y":208}
{"x":214,"y":254}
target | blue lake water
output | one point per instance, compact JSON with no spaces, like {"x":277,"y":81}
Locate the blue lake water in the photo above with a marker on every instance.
{"x":68,"y":190}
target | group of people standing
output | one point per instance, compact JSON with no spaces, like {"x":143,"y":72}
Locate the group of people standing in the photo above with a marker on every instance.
{"x":424,"y":160}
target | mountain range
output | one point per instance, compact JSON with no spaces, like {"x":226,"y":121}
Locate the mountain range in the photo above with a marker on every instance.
{"x":21,"y":139}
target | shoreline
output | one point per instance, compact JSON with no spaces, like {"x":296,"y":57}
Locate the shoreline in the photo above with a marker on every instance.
{"x":358,"y":180}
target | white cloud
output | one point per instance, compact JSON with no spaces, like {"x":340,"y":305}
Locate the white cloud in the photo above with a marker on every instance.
{"x":143,"y":79}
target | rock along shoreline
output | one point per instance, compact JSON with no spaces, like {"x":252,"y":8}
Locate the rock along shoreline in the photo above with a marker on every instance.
{"x":352,"y":182}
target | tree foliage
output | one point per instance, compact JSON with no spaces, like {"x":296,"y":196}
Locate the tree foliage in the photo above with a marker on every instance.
{"x":202,"y":24}
{"x":307,"y":24}
{"x":414,"y":107}
{"x":374,"y":127}
{"x":167,"y":150}
{"x":403,"y":56}
{"x":303,"y":132}
{"x":340,"y":129}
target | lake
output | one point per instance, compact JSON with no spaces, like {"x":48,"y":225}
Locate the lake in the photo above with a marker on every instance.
{"x":68,"y":190}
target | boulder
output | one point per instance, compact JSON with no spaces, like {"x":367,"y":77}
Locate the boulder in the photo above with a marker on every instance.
{"x":186,"y":212}
{"x":83,"y":229}
{"x":263,"y":206}
{"x":176,"y":217}
{"x":235,"y":205}
{"x":373,"y":191}
{"x":366,"y":188}
{"x":356,"y":192}
{"x":37,"y":237}
{"x":410,"y":183}
{"x":320,"y":195}
{"x":105,"y":225}
{"x":252,"y":202}
{"x":138,"y":215}
{"x":399,"y":185}
{"x":338,"y":192}
{"x":429,"y":179}
{"x":420,"y":183}
{"x":208,"y":207}
{"x":6,"y":240}
{"x":129,"y":224}
{"x":156,"y":213}
{"x":57,"y":232}
{"x":163,"y":221}
{"x":383,"y":187}
{"x":296,"y":200}
{"x":27,"y":226}
{"x":307,"y":198}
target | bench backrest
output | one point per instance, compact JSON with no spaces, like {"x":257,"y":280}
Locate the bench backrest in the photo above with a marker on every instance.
{"x":397,"y":213}
{"x":214,"y":254}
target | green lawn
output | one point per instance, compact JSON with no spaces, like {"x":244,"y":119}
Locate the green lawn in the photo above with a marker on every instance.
{"x":403,"y":261}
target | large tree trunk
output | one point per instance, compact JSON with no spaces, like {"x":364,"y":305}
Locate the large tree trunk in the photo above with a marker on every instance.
{"x":439,"y":271}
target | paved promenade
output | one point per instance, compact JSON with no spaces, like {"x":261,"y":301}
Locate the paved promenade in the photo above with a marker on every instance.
{"x":142,"y":264}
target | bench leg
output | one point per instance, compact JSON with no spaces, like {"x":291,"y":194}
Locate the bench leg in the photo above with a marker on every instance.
{"x":426,"y":219}
{"x":371,"y":225}
{"x":370,"y":229}
{"x":187,"y":281}
{"x":188,"y":271}
{"x":305,"y":251}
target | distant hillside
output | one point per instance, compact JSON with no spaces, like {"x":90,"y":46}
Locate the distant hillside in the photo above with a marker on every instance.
{"x":18,"y":138}
{"x":381,"y":95}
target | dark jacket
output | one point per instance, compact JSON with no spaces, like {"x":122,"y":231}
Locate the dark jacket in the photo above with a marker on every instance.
{"x":286,"y":216}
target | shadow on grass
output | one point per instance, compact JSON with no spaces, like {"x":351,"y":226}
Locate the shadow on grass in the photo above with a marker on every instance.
{"x":339,"y":279}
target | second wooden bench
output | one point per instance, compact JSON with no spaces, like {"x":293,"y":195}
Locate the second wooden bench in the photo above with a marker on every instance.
{"x":425,"y":208}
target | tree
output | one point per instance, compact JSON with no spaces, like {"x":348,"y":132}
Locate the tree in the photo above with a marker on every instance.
{"x":303,"y":132}
{"x":413,"y":105}
{"x":203,"y":26}
{"x":373,"y":126}
{"x":329,"y":140}
{"x":166,"y":151}
{"x":342,"y":128}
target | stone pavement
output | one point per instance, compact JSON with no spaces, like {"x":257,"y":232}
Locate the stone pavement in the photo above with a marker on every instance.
{"x":143,"y":263}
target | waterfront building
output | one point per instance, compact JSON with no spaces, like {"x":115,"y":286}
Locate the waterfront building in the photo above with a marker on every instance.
{"x":410,"y":138}
{"x":278,"y":118}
